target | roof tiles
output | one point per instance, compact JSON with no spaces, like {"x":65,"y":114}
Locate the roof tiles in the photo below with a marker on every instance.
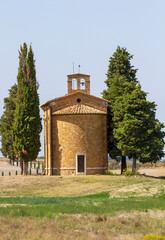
{"x":78,"y":109}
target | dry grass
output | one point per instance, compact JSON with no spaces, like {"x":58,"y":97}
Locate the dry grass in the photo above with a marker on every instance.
{"x":55,"y":186}
{"x":127,"y":225}
{"x":123,"y":226}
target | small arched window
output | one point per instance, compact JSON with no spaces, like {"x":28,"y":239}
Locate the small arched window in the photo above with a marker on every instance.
{"x":74,"y":84}
{"x":82,"y":84}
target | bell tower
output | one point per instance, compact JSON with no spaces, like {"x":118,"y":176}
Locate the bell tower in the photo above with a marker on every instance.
{"x":78,"y":82}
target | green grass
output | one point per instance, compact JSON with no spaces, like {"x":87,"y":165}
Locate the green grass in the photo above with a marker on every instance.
{"x":96,"y":204}
{"x":83,"y":207}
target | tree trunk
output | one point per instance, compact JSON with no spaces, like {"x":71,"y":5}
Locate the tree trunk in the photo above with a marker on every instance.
{"x":134,"y":165}
{"x":25,"y":168}
{"x":123,"y":164}
{"x":21,"y":166}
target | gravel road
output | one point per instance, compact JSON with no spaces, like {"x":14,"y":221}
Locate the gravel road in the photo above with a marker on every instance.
{"x":5,"y":167}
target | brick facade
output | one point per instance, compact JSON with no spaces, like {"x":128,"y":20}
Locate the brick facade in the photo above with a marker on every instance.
{"x":75,"y":125}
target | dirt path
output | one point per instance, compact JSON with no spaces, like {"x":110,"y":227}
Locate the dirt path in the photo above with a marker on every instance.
{"x":7,"y":168}
{"x":153,"y":172}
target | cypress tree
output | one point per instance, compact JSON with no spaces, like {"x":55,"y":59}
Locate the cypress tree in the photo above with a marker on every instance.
{"x":121,"y":76}
{"x":6,"y":124}
{"x":27,"y":126}
{"x":137,"y":130}
{"x":133,"y":129}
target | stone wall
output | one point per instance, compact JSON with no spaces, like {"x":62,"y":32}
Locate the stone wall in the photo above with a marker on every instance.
{"x":79,"y":134}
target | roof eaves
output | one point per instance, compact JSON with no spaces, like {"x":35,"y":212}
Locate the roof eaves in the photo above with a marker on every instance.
{"x":71,"y":94}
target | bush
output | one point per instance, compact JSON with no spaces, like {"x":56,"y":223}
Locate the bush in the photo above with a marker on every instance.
{"x":108,"y":172}
{"x":127,"y":172}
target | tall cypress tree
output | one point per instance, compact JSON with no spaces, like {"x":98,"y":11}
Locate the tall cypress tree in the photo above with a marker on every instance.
{"x":121,"y":76}
{"x":27,"y":126}
{"x":134,"y":130}
{"x":6,"y":124}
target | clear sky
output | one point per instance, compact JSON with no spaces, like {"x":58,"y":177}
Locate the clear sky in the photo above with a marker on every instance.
{"x":86,"y":32}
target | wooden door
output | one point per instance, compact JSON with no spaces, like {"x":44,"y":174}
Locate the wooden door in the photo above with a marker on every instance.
{"x":80,"y":163}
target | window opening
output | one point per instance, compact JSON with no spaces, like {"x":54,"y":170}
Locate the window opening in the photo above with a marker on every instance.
{"x":78,"y":100}
{"x":82,"y":84}
{"x":74,"y":84}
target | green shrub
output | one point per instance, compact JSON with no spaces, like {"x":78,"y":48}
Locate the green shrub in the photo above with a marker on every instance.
{"x":127,"y":172}
{"x":108,"y":172}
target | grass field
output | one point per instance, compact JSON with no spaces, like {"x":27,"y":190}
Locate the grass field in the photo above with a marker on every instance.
{"x":81,"y":207}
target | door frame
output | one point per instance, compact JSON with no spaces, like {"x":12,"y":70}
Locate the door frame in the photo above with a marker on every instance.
{"x":81,"y":154}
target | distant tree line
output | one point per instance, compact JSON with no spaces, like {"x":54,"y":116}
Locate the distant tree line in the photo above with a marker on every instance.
{"x":133,"y":130}
{"x":20,"y":124}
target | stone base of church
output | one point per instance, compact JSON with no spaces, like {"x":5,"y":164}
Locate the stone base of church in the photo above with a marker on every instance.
{"x":89,"y":171}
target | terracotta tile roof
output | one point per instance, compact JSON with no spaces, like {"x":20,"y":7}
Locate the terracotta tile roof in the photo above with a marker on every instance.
{"x":78,"y":109}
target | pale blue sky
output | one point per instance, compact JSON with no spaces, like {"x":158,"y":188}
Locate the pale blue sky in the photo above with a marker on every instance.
{"x":86,"y":32}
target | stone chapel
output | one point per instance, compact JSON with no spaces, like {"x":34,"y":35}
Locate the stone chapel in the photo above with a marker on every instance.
{"x":75,"y":129}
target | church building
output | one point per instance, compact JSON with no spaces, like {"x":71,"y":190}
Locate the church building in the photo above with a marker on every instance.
{"x":75,"y":128}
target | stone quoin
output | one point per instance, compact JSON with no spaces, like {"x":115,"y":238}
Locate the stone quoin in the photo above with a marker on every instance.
{"x":75,"y":130}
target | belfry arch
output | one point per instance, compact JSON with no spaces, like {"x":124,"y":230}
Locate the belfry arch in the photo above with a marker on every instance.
{"x":83,"y":83}
{"x":74,"y":84}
